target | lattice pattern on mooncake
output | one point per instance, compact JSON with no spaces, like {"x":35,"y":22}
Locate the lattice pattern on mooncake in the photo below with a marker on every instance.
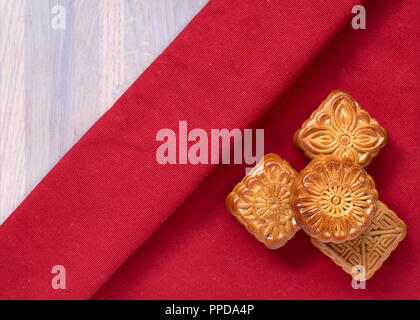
{"x":372,"y":247}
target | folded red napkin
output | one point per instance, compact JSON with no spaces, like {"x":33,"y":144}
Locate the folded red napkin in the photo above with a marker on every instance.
{"x":202,"y":252}
{"x":108,"y":195}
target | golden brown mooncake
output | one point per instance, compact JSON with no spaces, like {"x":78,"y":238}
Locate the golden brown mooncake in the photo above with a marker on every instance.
{"x":334,"y":199}
{"x":261,"y":201}
{"x":372,"y":247}
{"x":339,"y":126}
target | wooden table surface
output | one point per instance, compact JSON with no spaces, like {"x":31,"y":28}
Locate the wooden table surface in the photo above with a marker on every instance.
{"x":63,"y":63}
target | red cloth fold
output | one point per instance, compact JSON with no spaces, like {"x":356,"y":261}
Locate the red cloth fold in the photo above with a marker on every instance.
{"x":108,"y":195}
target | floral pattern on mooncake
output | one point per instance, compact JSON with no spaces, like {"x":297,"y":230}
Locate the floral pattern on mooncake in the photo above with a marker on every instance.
{"x":341,"y":127}
{"x":261,"y":201}
{"x":334,"y":198}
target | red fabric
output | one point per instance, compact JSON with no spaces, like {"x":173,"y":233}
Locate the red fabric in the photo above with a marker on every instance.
{"x":108,"y":195}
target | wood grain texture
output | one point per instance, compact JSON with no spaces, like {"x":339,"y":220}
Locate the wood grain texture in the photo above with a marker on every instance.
{"x":55,"y":83}
{"x":12,"y":106}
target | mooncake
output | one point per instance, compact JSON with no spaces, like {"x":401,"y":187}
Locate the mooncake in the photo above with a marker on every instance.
{"x":261,"y":201}
{"x":372,"y":247}
{"x":334,"y":199}
{"x":339,"y":126}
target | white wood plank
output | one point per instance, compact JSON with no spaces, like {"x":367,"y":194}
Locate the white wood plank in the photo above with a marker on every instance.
{"x":54,"y":83}
{"x":112,"y":75}
{"x":12,"y":106}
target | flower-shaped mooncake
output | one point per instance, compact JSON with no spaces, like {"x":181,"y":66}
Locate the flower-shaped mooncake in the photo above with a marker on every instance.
{"x":261,"y":201}
{"x":341,"y":127}
{"x":334,"y":198}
